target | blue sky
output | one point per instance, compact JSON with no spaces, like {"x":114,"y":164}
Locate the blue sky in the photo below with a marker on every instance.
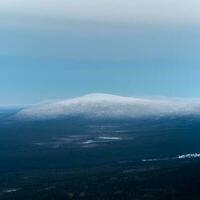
{"x":66,"y":49}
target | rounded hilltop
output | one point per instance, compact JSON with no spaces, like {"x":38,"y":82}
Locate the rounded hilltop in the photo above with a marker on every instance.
{"x":101,"y":105}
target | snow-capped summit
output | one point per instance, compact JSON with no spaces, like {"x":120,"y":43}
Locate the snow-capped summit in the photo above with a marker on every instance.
{"x":109,"y":106}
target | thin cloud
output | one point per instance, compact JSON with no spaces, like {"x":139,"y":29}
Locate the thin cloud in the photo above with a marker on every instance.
{"x":126,"y":11}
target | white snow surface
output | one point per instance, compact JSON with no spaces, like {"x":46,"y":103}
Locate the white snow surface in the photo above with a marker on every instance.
{"x":110,"y":106}
{"x":181,"y":157}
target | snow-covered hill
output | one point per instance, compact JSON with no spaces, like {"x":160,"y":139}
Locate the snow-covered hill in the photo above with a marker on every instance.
{"x":110,"y":106}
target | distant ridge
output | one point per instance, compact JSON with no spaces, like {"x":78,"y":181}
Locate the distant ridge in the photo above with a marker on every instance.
{"x":100,"y":105}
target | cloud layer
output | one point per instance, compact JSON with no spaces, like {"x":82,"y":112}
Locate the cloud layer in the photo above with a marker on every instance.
{"x":137,"y":11}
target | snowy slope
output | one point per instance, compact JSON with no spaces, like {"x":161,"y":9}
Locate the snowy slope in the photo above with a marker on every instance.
{"x":110,"y":106}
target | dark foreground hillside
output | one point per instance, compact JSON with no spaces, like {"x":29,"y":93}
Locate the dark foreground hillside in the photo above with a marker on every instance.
{"x":125,"y":182}
{"x":78,"y":159}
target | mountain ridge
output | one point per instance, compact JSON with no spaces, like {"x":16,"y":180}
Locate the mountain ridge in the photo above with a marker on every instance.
{"x":100,"y":105}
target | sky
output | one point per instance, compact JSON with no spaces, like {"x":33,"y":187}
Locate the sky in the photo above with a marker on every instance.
{"x":52,"y":49}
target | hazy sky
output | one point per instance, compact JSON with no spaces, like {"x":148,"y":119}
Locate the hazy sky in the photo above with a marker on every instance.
{"x":62,"y":48}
